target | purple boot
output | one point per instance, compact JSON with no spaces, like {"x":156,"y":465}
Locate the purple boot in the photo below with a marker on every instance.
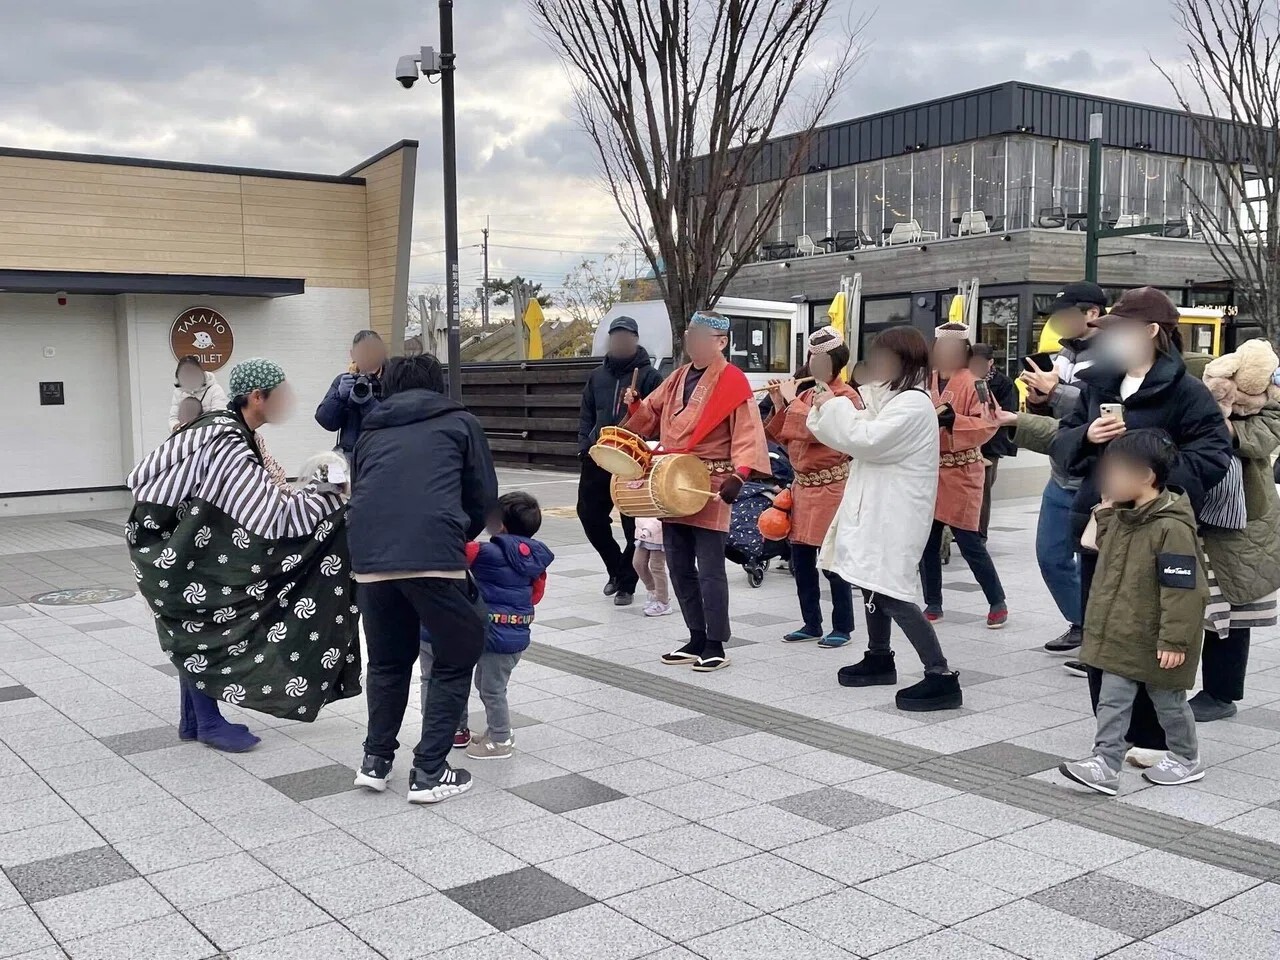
{"x":187,"y":729}
{"x":214,"y":731}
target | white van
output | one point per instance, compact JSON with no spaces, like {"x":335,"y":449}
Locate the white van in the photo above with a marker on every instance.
{"x":766,"y":340}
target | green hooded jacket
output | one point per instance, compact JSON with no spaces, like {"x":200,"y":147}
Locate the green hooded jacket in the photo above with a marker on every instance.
{"x":1246,"y":563}
{"x":1148,"y":594}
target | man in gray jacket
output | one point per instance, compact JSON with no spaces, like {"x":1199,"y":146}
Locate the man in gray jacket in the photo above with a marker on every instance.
{"x":1053,"y":393}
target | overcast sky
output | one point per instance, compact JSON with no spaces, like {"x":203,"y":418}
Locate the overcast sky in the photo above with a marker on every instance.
{"x":309,"y":85}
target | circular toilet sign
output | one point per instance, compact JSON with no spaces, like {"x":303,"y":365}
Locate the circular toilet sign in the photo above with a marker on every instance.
{"x":204,"y":333}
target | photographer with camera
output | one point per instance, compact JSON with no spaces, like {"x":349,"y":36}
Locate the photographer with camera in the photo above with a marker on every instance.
{"x":354,"y":394}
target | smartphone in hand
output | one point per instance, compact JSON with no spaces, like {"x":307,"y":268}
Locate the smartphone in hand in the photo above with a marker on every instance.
{"x":1111,"y":411}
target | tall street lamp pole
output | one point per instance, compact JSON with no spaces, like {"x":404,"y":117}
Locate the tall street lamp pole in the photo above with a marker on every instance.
{"x":1095,"y":198}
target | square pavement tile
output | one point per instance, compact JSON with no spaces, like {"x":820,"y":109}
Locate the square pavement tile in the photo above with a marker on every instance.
{"x":768,"y":882}
{"x":563,"y":794}
{"x":692,"y":848}
{"x":1205,"y":937}
{"x":311,"y":784}
{"x":168,"y":669}
{"x":964,"y":586}
{"x":706,"y":729}
{"x":682,"y":909}
{"x":1039,"y":933}
{"x":1263,"y":717}
{"x":569,"y":623}
{"x":1117,"y":904}
{"x":609,"y":871}
{"x":765,"y":938}
{"x":949,"y":945}
{"x":363,"y":887}
{"x":1199,"y":883}
{"x":1020,"y":872}
{"x":141,"y":741}
{"x":762,"y":619}
{"x":69,"y":873}
{"x":625,"y":819}
{"x":457,"y":862}
{"x":514,"y":899}
{"x":856,"y":918}
{"x":316,"y":854}
{"x":16,"y":692}
{"x":980,"y":815}
{"x":21,"y":931}
{"x":1259,"y":906}
{"x":938,"y":894}
{"x":590,"y":933}
{"x":103,"y":908}
{"x":1011,"y":758}
{"x":845,"y":858}
{"x":170,"y":937}
{"x":766,"y":826}
{"x":211,"y":880}
{"x":1076,"y":845}
{"x":739,"y":642}
{"x":499,"y":946}
{"x":836,"y":808}
{"x":546,"y":838}
{"x":253,"y":917}
{"x":332,"y":942}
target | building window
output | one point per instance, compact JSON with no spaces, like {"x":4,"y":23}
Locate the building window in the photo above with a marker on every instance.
{"x":989,"y":181}
{"x":760,"y":344}
{"x":815,"y":206}
{"x":1021,"y":211}
{"x":886,"y":311}
{"x":843,"y":192}
{"x":957,"y":185}
{"x":1073,"y":193}
{"x":792,"y":210}
{"x":998,"y":326}
{"x":1112,"y":182}
{"x":897,"y":191}
{"x":870,"y":200}
{"x":926,"y":191}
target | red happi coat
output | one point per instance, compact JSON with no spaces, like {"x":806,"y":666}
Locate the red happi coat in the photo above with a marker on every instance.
{"x":960,"y":488}
{"x":813,"y":508}
{"x":737,"y":438}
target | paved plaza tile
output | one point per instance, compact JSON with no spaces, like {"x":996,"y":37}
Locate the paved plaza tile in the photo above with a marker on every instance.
{"x":649,"y":812}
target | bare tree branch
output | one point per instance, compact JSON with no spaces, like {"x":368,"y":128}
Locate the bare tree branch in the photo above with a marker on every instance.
{"x":660,"y":84}
{"x":1232,"y":94}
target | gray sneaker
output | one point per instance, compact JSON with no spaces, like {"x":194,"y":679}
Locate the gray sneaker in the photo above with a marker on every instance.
{"x":1172,"y":771}
{"x":1094,"y":774}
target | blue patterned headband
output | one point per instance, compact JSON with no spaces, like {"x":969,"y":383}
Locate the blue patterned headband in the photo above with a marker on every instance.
{"x":713,"y":321}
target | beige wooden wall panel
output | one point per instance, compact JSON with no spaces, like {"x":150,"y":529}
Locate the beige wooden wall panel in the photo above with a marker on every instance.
{"x":305,"y":228}
{"x":383,"y":183}
{"x":69,"y":215}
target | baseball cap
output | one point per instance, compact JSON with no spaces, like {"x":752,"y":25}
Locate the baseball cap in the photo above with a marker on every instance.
{"x":1080,"y":294}
{"x":1145,"y":305}
{"x":624,"y":323}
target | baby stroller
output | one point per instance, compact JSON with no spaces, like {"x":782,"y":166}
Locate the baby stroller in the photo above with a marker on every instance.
{"x":746,"y":545}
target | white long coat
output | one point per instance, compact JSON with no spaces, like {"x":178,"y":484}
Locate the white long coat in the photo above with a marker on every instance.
{"x":884,"y":520}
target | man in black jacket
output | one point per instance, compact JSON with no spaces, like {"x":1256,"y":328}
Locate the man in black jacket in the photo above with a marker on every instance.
{"x":423,"y":485}
{"x":354,"y":394}
{"x":1004,"y":395}
{"x":602,"y":406}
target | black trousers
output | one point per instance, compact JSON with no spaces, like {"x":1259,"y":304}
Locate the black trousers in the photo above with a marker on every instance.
{"x":695,"y":561}
{"x":804,"y":566}
{"x":975,"y":555}
{"x":394,"y":612}
{"x":1144,"y":726}
{"x":1224,"y":662}
{"x":594,"y":509}
{"x":882,"y":611}
{"x":988,"y":481}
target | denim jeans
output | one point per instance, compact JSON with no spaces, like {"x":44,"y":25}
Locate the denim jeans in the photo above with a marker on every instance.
{"x":1056,"y":551}
{"x":804,"y":566}
{"x":975,"y":555}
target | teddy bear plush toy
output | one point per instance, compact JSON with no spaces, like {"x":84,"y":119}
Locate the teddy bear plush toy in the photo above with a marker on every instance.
{"x":1242,"y":382}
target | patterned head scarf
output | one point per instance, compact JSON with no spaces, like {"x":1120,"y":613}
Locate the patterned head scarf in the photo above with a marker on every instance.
{"x":255,"y":374}
{"x":712,"y":321}
{"x":825,"y":340}
{"x":951,"y":331}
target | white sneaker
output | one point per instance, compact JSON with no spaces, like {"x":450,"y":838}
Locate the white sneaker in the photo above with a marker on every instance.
{"x":656,"y":609}
{"x":1142,"y":758}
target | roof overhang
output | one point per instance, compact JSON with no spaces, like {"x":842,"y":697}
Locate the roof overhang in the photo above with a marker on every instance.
{"x":107,"y":284}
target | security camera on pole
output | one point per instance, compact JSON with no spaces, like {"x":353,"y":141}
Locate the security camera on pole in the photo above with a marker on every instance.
{"x":430,"y":63}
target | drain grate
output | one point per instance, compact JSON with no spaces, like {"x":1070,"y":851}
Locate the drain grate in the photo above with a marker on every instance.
{"x":1220,"y":848}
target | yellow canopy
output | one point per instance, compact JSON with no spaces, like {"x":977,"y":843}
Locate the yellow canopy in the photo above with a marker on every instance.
{"x":955,"y":313}
{"x":533,"y":323}
{"x":836,"y":312}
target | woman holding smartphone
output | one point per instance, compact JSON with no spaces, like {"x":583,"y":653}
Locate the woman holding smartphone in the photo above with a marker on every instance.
{"x":1139,"y":381}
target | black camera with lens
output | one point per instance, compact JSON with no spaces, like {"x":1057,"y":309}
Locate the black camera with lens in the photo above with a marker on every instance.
{"x":365,"y":388}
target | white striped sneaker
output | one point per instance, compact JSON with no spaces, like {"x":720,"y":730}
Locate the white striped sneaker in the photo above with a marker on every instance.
{"x":426,"y":789}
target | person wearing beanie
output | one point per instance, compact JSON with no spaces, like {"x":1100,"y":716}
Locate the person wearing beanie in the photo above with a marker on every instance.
{"x":211,"y":528}
{"x":816,"y":493}
{"x":705,"y":408}
{"x":1139,"y":376}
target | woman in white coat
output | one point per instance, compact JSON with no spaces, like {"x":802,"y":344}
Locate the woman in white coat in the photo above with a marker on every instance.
{"x":193,"y":381}
{"x":886,"y":515}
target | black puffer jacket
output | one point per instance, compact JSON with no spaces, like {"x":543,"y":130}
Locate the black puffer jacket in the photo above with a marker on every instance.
{"x":1168,"y":399}
{"x":422,"y":485}
{"x":602,"y":396}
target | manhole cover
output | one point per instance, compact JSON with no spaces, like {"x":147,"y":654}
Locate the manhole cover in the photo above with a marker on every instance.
{"x":84,"y":596}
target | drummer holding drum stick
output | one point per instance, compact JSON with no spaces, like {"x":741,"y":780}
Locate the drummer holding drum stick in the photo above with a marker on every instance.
{"x":705,"y":408}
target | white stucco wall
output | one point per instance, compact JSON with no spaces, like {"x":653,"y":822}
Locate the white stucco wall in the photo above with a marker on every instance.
{"x":113,"y":353}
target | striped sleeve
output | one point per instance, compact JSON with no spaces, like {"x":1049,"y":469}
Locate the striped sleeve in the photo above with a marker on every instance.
{"x":243,"y":489}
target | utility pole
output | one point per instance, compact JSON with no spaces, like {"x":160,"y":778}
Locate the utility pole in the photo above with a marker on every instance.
{"x":484,"y":301}
{"x":520,"y":294}
{"x":449,"y":147}
{"x":1094,"y":224}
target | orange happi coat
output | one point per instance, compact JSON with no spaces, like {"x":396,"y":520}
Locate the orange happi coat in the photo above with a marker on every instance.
{"x":960,"y":488}
{"x":738,"y":438}
{"x":813,"y":507}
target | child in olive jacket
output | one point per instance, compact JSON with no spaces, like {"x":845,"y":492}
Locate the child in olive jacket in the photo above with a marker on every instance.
{"x":1145,"y":616}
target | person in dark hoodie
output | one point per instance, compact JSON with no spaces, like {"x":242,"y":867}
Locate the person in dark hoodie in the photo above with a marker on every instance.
{"x":602,"y":406}
{"x":1139,"y":375}
{"x":423,"y":487}
{"x":511,"y":570}
{"x":353,"y":395}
